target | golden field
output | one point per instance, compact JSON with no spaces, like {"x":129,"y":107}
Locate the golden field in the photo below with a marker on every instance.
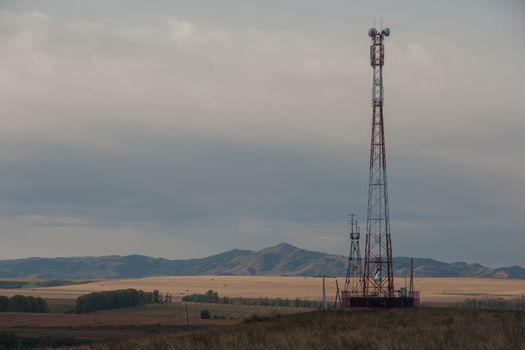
{"x":433,"y":290}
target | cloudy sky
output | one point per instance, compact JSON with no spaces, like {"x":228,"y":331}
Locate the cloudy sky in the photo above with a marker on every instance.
{"x":185,"y":128}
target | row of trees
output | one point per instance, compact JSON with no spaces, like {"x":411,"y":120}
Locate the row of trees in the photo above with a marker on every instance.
{"x":20,"y":303}
{"x":208,"y":297}
{"x":117,"y":299}
{"x":495,"y":304}
{"x":213,"y":297}
{"x":283,"y":302}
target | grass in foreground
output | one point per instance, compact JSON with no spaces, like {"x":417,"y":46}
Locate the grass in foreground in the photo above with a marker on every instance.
{"x":424,"y":328}
{"x":10,"y":341}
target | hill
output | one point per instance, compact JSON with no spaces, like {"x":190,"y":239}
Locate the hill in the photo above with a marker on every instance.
{"x":282,"y":259}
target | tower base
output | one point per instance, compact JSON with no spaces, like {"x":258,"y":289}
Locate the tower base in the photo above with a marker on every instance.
{"x":386,"y":302}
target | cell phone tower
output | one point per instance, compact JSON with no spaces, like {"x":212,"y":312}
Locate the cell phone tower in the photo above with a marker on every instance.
{"x":354,"y":273}
{"x":378,"y":275}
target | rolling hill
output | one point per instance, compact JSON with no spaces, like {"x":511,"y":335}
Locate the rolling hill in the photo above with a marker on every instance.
{"x":282,"y":259}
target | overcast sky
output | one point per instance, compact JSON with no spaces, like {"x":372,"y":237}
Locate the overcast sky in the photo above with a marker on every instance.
{"x":185,"y":128}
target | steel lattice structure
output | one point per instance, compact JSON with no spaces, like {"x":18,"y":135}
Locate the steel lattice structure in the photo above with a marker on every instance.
{"x":354,"y":272}
{"x":378,"y":277}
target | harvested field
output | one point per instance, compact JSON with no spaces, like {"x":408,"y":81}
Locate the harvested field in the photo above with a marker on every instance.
{"x":227,"y":311}
{"x":133,"y":323}
{"x":433,"y":290}
{"x":13,"y":320}
{"x":173,"y":314}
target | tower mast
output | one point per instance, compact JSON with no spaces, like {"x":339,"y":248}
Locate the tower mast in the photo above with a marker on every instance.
{"x":378,"y":277}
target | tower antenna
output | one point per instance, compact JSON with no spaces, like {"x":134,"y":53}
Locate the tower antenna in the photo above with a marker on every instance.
{"x":378,"y":278}
{"x":376,"y":284}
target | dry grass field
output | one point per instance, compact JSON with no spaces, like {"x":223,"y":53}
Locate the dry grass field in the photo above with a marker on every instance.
{"x":433,"y":290}
{"x":401,"y":329}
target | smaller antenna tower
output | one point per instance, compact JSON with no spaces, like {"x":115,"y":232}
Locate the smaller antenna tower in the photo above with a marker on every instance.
{"x":354,"y":272}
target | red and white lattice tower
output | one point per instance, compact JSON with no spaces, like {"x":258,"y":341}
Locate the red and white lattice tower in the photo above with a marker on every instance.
{"x":378,"y":275}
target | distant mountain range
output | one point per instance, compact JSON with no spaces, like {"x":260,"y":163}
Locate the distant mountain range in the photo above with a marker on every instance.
{"x":282,"y":259}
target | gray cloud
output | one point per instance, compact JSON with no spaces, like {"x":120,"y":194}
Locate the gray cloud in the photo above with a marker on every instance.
{"x":180,"y":136}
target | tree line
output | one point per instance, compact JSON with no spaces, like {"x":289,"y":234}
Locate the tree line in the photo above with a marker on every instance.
{"x":212,"y":297}
{"x":20,"y":303}
{"x":117,"y":299}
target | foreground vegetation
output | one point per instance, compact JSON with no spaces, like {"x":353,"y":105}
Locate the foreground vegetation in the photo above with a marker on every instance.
{"x":424,"y":328}
{"x":10,"y":341}
{"x":494,"y":304}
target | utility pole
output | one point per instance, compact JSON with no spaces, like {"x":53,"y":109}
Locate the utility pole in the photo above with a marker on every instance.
{"x":337,"y":294}
{"x":411,"y":290}
{"x":187,"y":317}
{"x":325,"y":304}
